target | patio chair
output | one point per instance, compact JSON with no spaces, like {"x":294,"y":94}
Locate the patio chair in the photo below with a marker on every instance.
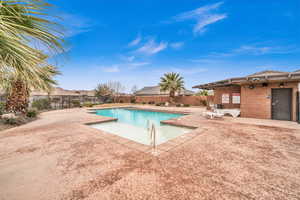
{"x":213,"y":115}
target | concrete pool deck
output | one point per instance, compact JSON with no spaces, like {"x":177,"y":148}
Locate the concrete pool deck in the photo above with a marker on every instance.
{"x":59,"y":157}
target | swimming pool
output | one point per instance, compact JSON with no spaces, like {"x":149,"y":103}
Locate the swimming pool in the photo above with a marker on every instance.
{"x":133,"y":124}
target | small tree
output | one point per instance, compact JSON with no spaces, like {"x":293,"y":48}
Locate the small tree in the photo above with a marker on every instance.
{"x":117,"y":89}
{"x":103,"y":90}
{"x":134,"y":89}
{"x":202,"y":93}
{"x":111,"y":89}
{"x":171,"y":82}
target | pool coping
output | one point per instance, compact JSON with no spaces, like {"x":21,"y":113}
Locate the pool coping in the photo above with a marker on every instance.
{"x":161,"y":148}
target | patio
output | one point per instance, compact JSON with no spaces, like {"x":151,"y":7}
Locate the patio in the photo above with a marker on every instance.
{"x":59,"y":157}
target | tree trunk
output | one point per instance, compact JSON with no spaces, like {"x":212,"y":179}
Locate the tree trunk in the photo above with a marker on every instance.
{"x":172,"y":96}
{"x":18,"y":98}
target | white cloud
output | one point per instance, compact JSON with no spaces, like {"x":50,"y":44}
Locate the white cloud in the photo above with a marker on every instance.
{"x":128,"y":58}
{"x":137,"y":64}
{"x":189,"y":71}
{"x":253,"y":50}
{"x":151,"y":47}
{"x":74,"y":24}
{"x":203,"y":60}
{"x":111,"y":69}
{"x":184,"y":71}
{"x":135,"y":41}
{"x":177,"y":45}
{"x":256,"y":51}
{"x":203,"y":16}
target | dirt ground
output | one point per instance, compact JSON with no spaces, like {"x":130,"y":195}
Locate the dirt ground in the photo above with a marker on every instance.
{"x":58,"y":157}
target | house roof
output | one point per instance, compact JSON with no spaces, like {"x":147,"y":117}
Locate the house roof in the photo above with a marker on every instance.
{"x":155,"y":90}
{"x":259,"y":77}
{"x":57,"y":91}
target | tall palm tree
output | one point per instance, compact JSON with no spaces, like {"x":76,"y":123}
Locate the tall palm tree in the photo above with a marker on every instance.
{"x":18,"y":86}
{"x":171,"y":82}
{"x":20,"y":26}
{"x":21,"y":66}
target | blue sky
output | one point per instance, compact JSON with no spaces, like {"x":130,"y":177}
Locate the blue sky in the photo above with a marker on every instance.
{"x":137,"y":41}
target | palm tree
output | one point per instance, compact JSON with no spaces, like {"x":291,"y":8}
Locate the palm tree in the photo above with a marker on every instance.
{"x":20,"y":26}
{"x":171,"y":82}
{"x":18,"y":86}
{"x":21,"y":66}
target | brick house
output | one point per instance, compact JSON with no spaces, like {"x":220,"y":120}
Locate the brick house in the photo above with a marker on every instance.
{"x":266,"y":94}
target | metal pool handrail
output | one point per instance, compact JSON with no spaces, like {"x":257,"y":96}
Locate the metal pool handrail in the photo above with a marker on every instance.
{"x":153,"y":137}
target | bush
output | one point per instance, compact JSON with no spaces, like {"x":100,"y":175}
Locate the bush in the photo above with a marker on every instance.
{"x":32,"y":113}
{"x":178,"y":105}
{"x":88,"y":104}
{"x":132,"y":101}
{"x":121,"y":101}
{"x":203,"y":102}
{"x":143,"y":102}
{"x":41,"y":104}
{"x":186,"y":105}
{"x":12,"y":119}
{"x":76,"y":103}
{"x":158,"y":104}
{"x":2,"y":108}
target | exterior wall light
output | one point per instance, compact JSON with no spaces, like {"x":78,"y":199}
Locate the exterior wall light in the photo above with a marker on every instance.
{"x":281,"y":85}
{"x":251,"y":86}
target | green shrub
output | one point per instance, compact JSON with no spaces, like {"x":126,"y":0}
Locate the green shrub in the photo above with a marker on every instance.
{"x":32,"y":113}
{"x":203,"y":102}
{"x":186,"y":105}
{"x":41,"y":104}
{"x":76,"y":103}
{"x":88,"y":104}
{"x":132,"y":101}
{"x":158,"y":104}
{"x":14,"y":120}
{"x":143,"y":102}
{"x":2,"y":108}
{"x":109,"y":101}
{"x":10,"y":121}
{"x":178,"y":105}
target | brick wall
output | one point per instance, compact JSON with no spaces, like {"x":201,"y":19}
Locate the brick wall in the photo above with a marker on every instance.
{"x":256,"y":102}
{"x":191,"y":100}
{"x":218,"y":92}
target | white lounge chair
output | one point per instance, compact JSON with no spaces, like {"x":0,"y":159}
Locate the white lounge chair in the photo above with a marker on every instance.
{"x":232,"y":112}
{"x":212,"y":115}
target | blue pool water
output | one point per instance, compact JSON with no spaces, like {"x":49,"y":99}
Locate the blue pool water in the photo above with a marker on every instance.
{"x":132,"y":124}
{"x":137,"y":117}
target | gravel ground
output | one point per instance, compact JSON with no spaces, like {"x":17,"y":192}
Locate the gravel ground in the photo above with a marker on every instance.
{"x":58,"y":157}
